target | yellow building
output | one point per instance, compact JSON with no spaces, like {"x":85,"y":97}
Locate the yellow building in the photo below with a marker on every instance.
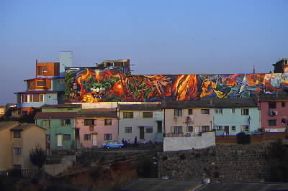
{"x":16,"y":142}
{"x":2,"y":111}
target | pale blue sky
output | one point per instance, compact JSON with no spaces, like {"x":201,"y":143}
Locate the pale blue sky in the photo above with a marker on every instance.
{"x":159,"y":36}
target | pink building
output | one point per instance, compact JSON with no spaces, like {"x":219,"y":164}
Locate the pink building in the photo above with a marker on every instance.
{"x":95,"y":127}
{"x":274,"y":113}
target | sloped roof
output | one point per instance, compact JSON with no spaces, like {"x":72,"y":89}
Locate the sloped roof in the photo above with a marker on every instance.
{"x":24,"y":126}
{"x":55,"y":115}
{"x":8,"y":124}
{"x":62,"y":106}
{"x":97,"y":113}
{"x":211,"y":103}
{"x":139,"y":107}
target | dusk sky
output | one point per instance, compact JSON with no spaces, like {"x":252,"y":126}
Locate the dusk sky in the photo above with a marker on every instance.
{"x":159,"y":36}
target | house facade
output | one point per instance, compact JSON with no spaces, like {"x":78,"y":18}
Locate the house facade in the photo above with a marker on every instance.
{"x":187,"y":118}
{"x":143,"y":122}
{"x":233,"y":116}
{"x":60,"y":124}
{"x":16,"y":142}
{"x":95,"y":127}
{"x":274,"y":112}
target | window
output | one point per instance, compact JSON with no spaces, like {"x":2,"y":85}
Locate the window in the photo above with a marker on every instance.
{"x":107,"y":122}
{"x":41,"y":83}
{"x":127,"y":114}
{"x":87,"y":137}
{"x":159,"y":126}
{"x":41,"y":70}
{"x":272,"y":105}
{"x":283,"y":104}
{"x":244,"y":111}
{"x":107,"y":137}
{"x":272,"y":122}
{"x":205,"y":128}
{"x":17,"y":150}
{"x":233,"y":110}
{"x":233,"y":128}
{"x":37,"y":97}
{"x":65,"y":122}
{"x":88,"y":122}
{"x":246,"y":128}
{"x":128,"y":129}
{"x":17,"y":134}
{"x":190,"y":128}
{"x":149,"y":130}
{"x":147,"y":114}
{"x":190,"y":111}
{"x":46,"y":123}
{"x":177,"y":130}
{"x":218,"y":111}
{"x":66,"y":137}
{"x":59,"y":140}
{"x":177,"y":112}
{"x":205,"y":111}
{"x":219,"y":127}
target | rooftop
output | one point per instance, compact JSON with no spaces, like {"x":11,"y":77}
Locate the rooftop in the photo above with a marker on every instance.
{"x":55,"y":115}
{"x":108,"y":113}
{"x":62,"y":106}
{"x":139,"y":107}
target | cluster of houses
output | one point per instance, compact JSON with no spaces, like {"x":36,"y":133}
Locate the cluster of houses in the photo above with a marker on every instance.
{"x":73,"y":126}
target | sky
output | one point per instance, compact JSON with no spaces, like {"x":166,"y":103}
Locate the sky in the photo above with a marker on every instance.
{"x":159,"y":36}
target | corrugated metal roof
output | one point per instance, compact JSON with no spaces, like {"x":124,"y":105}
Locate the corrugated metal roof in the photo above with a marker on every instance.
{"x":139,"y":107}
{"x":55,"y":115}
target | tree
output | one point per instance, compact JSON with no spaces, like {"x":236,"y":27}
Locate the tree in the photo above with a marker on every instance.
{"x":38,"y":157}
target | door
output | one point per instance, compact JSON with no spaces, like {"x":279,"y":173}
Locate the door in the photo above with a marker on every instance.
{"x":226,"y":130}
{"x":94,"y":139}
{"x":59,"y":140}
{"x":141,"y":132}
{"x":77,"y":137}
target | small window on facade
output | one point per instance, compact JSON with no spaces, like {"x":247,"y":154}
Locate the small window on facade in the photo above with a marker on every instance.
{"x":233,"y":128}
{"x":17,"y":150}
{"x":272,"y":105}
{"x":65,"y":122}
{"x":218,"y":111}
{"x":233,"y":110}
{"x":190,"y":128}
{"x":205,"y":111}
{"x":246,"y":128}
{"x":272,"y":122}
{"x":41,"y":83}
{"x":283,"y":104}
{"x":128,"y":129}
{"x":147,"y":114}
{"x":87,"y":137}
{"x":244,"y":111}
{"x":41,"y":70}
{"x":16,"y":134}
{"x":177,"y":130}
{"x":41,"y":97}
{"x":88,"y":122}
{"x":205,"y":128}
{"x":46,"y":123}
{"x":107,"y":122}
{"x":149,"y":130}
{"x":107,"y":137}
{"x":177,"y":112}
{"x":127,"y":114}
{"x":190,"y":111}
{"x":66,"y":137}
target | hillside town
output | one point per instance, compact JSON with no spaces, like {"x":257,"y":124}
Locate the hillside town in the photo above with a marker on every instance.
{"x":98,"y":114}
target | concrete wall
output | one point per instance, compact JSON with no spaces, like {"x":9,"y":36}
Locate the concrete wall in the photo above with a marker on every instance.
{"x":228,"y":118}
{"x":186,"y":143}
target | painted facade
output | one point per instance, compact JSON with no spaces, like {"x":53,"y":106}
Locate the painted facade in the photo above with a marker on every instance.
{"x":235,"y":116}
{"x":90,"y":85}
{"x":187,"y":118}
{"x":144,"y":121}
{"x":60,"y":124}
{"x":95,"y":127}
{"x":2,"y":111}
{"x":274,"y":113}
{"x":16,"y":142}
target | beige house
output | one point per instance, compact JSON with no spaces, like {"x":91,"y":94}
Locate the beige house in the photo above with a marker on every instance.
{"x":16,"y":142}
{"x":187,"y":118}
{"x":2,"y":110}
{"x":142,"y":120}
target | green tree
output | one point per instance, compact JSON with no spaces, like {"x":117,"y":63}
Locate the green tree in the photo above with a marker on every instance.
{"x":38,"y":157}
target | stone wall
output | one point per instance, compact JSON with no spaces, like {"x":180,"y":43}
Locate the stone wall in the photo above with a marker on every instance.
{"x":187,"y":143}
{"x":223,"y":163}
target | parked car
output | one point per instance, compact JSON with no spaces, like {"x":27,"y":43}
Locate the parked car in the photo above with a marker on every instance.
{"x":113,"y":145}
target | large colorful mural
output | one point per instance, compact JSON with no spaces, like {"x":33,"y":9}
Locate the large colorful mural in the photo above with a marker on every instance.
{"x":91,"y":85}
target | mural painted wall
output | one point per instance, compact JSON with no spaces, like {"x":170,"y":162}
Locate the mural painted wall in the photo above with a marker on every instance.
{"x":89,"y":85}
